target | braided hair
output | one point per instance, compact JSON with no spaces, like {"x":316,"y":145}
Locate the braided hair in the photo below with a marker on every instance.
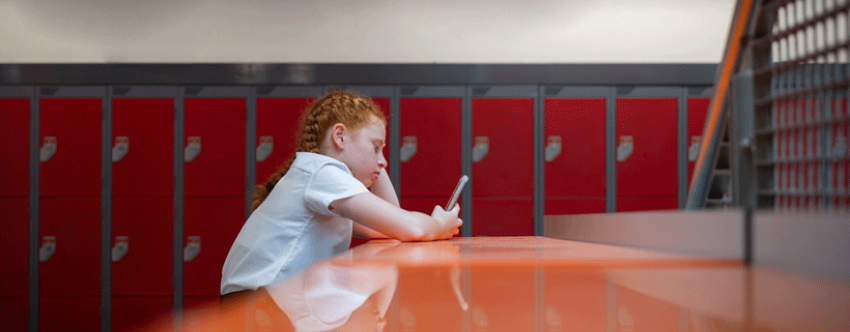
{"x":337,"y":107}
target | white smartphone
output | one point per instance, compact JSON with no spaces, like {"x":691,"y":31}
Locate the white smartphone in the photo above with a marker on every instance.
{"x":456,"y":193}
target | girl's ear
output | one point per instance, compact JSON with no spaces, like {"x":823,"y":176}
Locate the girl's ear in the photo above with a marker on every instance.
{"x":338,"y":132}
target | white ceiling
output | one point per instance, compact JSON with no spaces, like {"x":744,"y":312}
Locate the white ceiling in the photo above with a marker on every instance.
{"x":364,"y":31}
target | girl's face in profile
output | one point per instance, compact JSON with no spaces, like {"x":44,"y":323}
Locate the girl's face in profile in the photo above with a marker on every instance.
{"x":363,"y":151}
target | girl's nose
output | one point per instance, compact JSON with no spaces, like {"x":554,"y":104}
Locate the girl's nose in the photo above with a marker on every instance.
{"x":382,"y":162}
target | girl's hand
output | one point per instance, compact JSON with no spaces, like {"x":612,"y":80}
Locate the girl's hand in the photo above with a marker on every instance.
{"x":449,"y":221}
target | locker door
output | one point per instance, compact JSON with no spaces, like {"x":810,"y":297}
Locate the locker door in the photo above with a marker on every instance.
{"x":575,"y":300}
{"x":70,"y":247}
{"x":14,"y":244}
{"x":14,"y":313}
{"x":142,"y":241}
{"x":70,"y":147}
{"x":211,"y":226}
{"x":697,"y":111}
{"x":215,"y":146}
{"x":14,"y":142}
{"x":646,"y":149}
{"x":278,"y":125}
{"x":143,"y":145}
{"x":429,"y":146}
{"x":502,"y":167}
{"x":63,"y":314}
{"x":574,"y":155}
{"x":134,"y":314}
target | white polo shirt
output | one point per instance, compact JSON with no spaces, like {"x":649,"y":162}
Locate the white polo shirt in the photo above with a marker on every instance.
{"x":293,"y":227}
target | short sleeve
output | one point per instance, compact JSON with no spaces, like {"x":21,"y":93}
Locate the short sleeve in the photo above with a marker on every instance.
{"x":330,"y":183}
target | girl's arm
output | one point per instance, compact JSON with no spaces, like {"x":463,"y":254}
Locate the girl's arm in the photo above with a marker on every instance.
{"x":383,"y":188}
{"x":379,"y":215}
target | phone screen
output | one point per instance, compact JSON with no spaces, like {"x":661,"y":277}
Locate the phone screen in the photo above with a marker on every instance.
{"x":456,"y":193}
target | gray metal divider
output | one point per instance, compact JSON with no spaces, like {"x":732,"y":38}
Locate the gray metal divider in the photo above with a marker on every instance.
{"x":106,"y":217}
{"x":177,"y":250}
{"x":539,"y":133}
{"x":682,"y":148}
{"x":611,"y":152}
{"x":35,"y":114}
{"x":466,"y":160}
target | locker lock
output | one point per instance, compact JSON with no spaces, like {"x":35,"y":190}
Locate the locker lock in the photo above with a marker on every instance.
{"x":553,"y":148}
{"x":193,"y":148}
{"x":482,"y":146}
{"x":48,"y":148}
{"x":265,"y":149}
{"x":693,"y":150}
{"x":121,"y":148}
{"x":121,"y":247}
{"x":47,"y":249}
{"x":408,"y":148}
{"x":626,"y":147}
{"x":192,"y":249}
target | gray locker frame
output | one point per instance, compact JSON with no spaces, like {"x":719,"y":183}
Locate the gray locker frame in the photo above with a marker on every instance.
{"x":31,"y":93}
{"x":101,"y":92}
{"x":677,"y":92}
{"x":448,"y":91}
{"x":578,"y":91}
{"x":507,"y":91}
{"x":174,"y":93}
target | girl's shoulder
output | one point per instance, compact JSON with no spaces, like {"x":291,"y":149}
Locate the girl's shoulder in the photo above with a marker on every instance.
{"x":313,"y":162}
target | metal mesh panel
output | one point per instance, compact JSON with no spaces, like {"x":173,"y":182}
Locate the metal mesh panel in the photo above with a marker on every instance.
{"x":801,"y":86}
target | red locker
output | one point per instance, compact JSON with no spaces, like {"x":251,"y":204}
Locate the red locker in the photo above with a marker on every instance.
{"x":429,"y":156}
{"x":70,"y":247}
{"x":438,"y":308}
{"x":575,"y":147}
{"x":646,"y":147}
{"x":14,"y":142}
{"x":575,"y":300}
{"x":640,"y":312}
{"x":141,"y":313}
{"x":214,"y":150}
{"x":210,"y":224}
{"x":69,"y":314}
{"x":425,"y":204}
{"x":142,"y":147}
{"x":70,"y":147}
{"x":14,"y":313}
{"x":502,"y":138}
{"x":697,"y":111}
{"x":142,"y":242}
{"x":502,"y":217}
{"x":626,"y":204}
{"x":14,"y":244}
{"x":574,"y":205}
{"x":278,"y":128}
{"x":496,"y":295}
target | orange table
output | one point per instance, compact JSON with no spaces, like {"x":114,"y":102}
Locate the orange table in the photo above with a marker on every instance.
{"x":532,"y":284}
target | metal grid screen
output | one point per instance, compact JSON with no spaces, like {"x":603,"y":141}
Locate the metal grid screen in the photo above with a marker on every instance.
{"x":801,"y":85}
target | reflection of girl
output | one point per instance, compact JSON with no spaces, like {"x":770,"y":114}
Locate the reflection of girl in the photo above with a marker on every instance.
{"x":305,"y":212}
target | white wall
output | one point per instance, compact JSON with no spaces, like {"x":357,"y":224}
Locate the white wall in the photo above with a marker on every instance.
{"x":364,"y":31}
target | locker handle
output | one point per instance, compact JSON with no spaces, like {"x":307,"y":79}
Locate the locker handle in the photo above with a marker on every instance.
{"x":693,"y":150}
{"x":408,"y":148}
{"x":626,"y":147}
{"x":47,"y":249}
{"x":265,"y":149}
{"x":120,"y":249}
{"x":192,"y":248}
{"x":482,"y":146}
{"x":193,"y":148}
{"x":553,"y":148}
{"x":121,"y":148}
{"x":48,"y":148}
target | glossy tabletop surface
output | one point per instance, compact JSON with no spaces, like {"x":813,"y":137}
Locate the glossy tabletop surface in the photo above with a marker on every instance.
{"x":530,"y":284}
